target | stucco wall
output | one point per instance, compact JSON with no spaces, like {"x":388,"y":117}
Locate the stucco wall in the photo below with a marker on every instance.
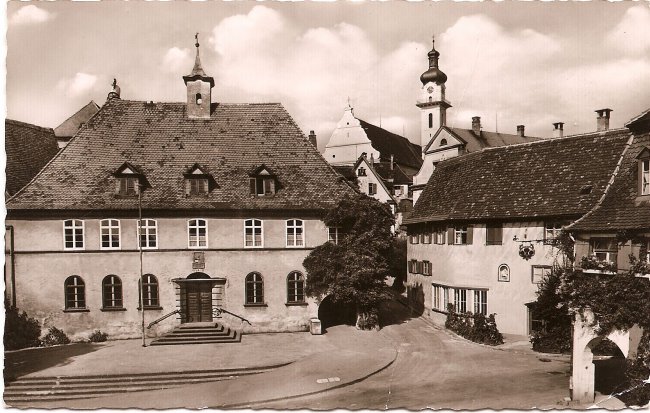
{"x":42,"y":266}
{"x":476,"y":266}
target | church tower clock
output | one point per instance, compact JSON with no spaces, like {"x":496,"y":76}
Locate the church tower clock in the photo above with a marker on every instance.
{"x":432,"y":103}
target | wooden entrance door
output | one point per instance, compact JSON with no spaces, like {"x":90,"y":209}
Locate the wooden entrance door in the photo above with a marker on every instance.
{"x":199,"y":301}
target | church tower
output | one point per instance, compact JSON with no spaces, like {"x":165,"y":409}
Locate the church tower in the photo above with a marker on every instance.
{"x":199,"y":89}
{"x":432,"y":103}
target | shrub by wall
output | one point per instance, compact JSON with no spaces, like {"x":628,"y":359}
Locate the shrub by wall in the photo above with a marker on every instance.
{"x":475,"y":327}
{"x":54,"y":337}
{"x":21,"y":331}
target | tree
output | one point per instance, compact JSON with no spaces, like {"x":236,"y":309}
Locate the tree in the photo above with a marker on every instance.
{"x":354,"y":270}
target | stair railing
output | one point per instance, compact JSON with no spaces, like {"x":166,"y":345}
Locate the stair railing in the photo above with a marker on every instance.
{"x":217,"y":312}
{"x":151,"y":324}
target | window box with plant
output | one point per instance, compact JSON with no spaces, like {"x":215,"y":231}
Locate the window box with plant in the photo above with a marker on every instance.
{"x":591,"y":264}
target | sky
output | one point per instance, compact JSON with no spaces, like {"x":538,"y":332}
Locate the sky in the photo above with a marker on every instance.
{"x":531,"y":63}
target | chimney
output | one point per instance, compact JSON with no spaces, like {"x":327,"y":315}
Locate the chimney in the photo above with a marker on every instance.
{"x":558,"y":129}
{"x":312,"y":138}
{"x":372,"y":159}
{"x":476,"y":125}
{"x":602,"y":121}
{"x":392,"y":160}
{"x":520,"y":130}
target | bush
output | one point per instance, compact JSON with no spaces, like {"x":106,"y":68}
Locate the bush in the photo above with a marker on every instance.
{"x":552,"y":320}
{"x":552,"y":340}
{"x":21,"y":331}
{"x":98,"y":337}
{"x":475,"y":327}
{"x":54,"y":337}
{"x":637,"y":372}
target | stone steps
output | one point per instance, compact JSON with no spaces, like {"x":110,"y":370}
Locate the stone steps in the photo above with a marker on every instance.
{"x":28,"y":390}
{"x":204,"y":333}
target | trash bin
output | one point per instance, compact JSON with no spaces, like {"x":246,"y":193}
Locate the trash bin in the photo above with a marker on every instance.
{"x":314,"y":326}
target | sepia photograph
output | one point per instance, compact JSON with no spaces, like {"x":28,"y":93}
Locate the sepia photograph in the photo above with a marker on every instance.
{"x":319,"y":205}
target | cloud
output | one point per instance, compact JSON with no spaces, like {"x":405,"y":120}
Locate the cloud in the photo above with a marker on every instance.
{"x":79,"y":85}
{"x":177,"y":61}
{"x":31,"y":15}
{"x":632,"y":34}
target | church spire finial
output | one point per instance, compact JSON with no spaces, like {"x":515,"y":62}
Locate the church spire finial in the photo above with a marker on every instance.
{"x":198,"y":69}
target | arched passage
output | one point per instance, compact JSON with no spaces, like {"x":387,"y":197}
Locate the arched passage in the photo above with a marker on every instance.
{"x":609,"y":365}
{"x":333,"y":313}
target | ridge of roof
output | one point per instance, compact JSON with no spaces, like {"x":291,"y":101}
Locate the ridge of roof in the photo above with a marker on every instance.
{"x":383,"y":140}
{"x":28,"y":125}
{"x":71,"y":125}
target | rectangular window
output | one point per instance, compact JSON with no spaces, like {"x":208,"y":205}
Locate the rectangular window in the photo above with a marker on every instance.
{"x":397,"y":190}
{"x":128,"y":186}
{"x":414,"y":238}
{"x":372,"y":188}
{"x":295,"y":233}
{"x":426,"y":267}
{"x":445,"y":298}
{"x":198,"y":186}
{"x":460,"y":300}
{"x":645,"y":177}
{"x":361,"y":172}
{"x":110,"y":234}
{"x":149,"y":235}
{"x":539,"y":272}
{"x":440,"y":236}
{"x":73,"y":234}
{"x":435,"y":297}
{"x":494,"y":234}
{"x":460,"y":235}
{"x":413,"y":266}
{"x":426,"y":237}
{"x":480,"y":302}
{"x":605,"y":249}
{"x":197,"y":233}
{"x":262,"y":185}
{"x":552,"y":230}
{"x":253,"y":233}
{"x":335,"y":234}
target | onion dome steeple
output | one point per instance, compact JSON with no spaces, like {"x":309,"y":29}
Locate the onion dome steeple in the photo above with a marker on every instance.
{"x":433,"y":74}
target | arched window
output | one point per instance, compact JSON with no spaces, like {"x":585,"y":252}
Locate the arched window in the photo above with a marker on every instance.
{"x":443,"y":142}
{"x":150,"y":293}
{"x":199,"y":100}
{"x":430,"y":120}
{"x":111,"y":292}
{"x":295,"y":288}
{"x":295,"y":233}
{"x":75,"y":293}
{"x":254,"y":288}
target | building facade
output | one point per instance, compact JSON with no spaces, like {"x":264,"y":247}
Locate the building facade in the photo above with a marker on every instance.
{"x":481,"y":235}
{"x":231,"y":198}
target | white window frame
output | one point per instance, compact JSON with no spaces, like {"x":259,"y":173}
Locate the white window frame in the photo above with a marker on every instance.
{"x":543,"y":269}
{"x":604,"y":254}
{"x":480,"y":302}
{"x":295,"y":228}
{"x":197,"y":226}
{"x":253,"y":227}
{"x":458,"y":235}
{"x":645,"y":176}
{"x":552,"y":230}
{"x":440,"y":236}
{"x":460,"y":297}
{"x":445,"y":298}
{"x":435,"y":297}
{"x":108,"y":224}
{"x":73,"y":227}
{"x":146,"y":229}
{"x":337,"y":235}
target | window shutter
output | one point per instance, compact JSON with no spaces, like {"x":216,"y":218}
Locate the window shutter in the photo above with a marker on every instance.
{"x":499,"y":235}
{"x":252,"y":185}
{"x":450,"y":235}
{"x":188,"y":187}
{"x":271,"y":186}
{"x":470,"y":234}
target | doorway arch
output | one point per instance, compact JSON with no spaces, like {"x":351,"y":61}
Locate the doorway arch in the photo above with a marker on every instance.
{"x":333,"y":313}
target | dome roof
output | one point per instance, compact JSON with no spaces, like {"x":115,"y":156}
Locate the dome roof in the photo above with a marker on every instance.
{"x":433,"y":74}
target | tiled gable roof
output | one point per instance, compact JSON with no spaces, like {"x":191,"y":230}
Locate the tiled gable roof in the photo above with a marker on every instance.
{"x":28,"y":148}
{"x":396,"y":174}
{"x":486,"y":139}
{"x":71,"y":125}
{"x":159,"y":140}
{"x":387,"y":143}
{"x":622,"y":208}
{"x":555,"y":177}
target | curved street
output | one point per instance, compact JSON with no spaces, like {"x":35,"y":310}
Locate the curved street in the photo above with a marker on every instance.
{"x":434,"y":369}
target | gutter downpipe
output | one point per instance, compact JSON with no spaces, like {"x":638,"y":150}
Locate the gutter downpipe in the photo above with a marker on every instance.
{"x":13,"y":264}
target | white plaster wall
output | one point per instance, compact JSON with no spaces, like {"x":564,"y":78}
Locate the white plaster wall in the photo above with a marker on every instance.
{"x":476,"y":266}
{"x":348,"y":141}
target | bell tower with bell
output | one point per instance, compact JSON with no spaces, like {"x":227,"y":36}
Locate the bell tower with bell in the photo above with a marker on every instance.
{"x":432,"y":103}
{"x":199,"y":89}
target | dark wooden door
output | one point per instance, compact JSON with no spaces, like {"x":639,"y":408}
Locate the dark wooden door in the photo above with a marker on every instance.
{"x":199,"y":302}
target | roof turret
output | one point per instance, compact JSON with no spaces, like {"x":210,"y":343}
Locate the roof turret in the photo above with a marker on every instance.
{"x":433,"y":74}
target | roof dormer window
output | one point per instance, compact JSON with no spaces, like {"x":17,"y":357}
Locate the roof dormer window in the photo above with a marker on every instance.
{"x":127,"y":180}
{"x":197,"y":181}
{"x":263,"y":182}
{"x":644,"y":172}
